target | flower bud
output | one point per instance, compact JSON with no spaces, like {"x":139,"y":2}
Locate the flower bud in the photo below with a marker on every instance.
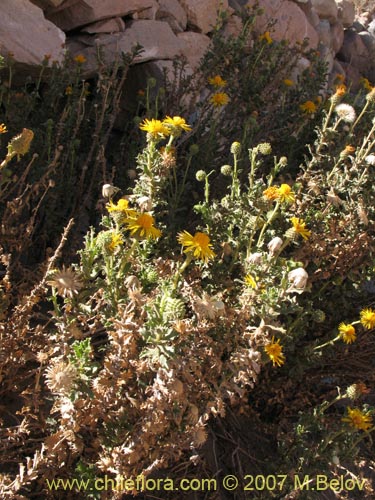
{"x":235,"y":148}
{"x":226,"y":170}
{"x":265,"y":148}
{"x":194,"y":149}
{"x":200,"y":175}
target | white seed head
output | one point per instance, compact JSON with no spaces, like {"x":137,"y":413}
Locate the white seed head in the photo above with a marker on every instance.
{"x":346,"y":112}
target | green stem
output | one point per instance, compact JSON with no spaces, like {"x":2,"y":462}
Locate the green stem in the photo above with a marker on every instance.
{"x":359,"y":117}
{"x":180,"y":270}
{"x":330,"y":342}
{"x":267,"y":223}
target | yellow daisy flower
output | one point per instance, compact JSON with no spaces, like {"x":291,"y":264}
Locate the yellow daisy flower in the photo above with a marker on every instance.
{"x":271,"y":193}
{"x":358,"y":419}
{"x":176,"y":123}
{"x":285,"y":194}
{"x":266,"y":37}
{"x":347,"y":333}
{"x":367,"y":318}
{"x":142,"y":226}
{"x":288,"y":83}
{"x":340,"y":90}
{"x":217,"y":81}
{"x":219,"y":99}
{"x":274,"y":352}
{"x":121,"y":207}
{"x":299,"y":227}
{"x":250,"y":281}
{"x":115,"y":242}
{"x":3,"y":129}
{"x":80,"y":59}
{"x":155,"y":128}
{"x":308,"y":107}
{"x":366,"y":84}
{"x":199,"y":245}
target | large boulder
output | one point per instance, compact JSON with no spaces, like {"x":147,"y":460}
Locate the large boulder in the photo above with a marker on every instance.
{"x":346,"y":12}
{"x":155,"y":37}
{"x":291,"y":23}
{"x":171,"y":11}
{"x":326,"y":9}
{"x":75,"y":13}
{"x":27,"y":35}
{"x":202,"y":15}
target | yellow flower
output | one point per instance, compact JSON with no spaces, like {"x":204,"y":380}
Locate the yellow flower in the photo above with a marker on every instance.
{"x":266,"y":37}
{"x":121,"y":206}
{"x":367,"y":317}
{"x":308,"y":107}
{"x":199,"y":245}
{"x":219,"y":99}
{"x":340,"y":90}
{"x":288,"y":83}
{"x":115,"y":242}
{"x":143,"y":226}
{"x":69,"y":90}
{"x":3,"y":129}
{"x":285,"y":193}
{"x":366,"y":84}
{"x":80,"y":59}
{"x":176,"y":123}
{"x":271,"y":193}
{"x":250,"y":281}
{"x":358,"y":419}
{"x":299,"y":227}
{"x":347,"y":333}
{"x":217,"y":81}
{"x":155,"y":128}
{"x":274,"y":351}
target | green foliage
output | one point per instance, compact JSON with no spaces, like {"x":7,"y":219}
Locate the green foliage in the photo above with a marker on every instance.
{"x":229,"y":270}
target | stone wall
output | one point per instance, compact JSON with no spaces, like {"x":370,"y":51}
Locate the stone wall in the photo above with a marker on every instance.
{"x":168,"y":29}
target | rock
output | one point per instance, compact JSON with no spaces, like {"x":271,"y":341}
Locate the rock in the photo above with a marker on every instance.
{"x":371,"y":28}
{"x":47,"y":4}
{"x":112,"y":25}
{"x":337,"y":69}
{"x":26,"y":34}
{"x":156,"y":38}
{"x":337,"y":36}
{"x":76,"y":13}
{"x":359,"y":26}
{"x":194,"y":46}
{"x":326,"y":9}
{"x":233,"y":26}
{"x":346,"y":12}
{"x":202,"y":15}
{"x":149,"y":13}
{"x":310,"y":13}
{"x":354,"y":51}
{"x":291,"y":23}
{"x":324,"y":32}
{"x":170,"y":11}
{"x":369,"y":42}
